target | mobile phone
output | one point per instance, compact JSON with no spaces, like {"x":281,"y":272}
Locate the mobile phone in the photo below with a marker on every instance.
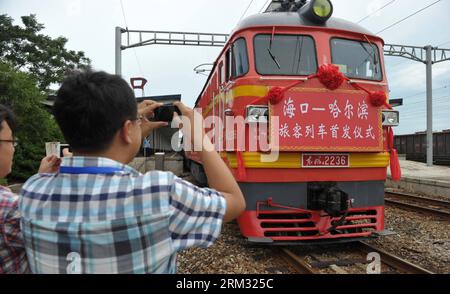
{"x":165,"y":112}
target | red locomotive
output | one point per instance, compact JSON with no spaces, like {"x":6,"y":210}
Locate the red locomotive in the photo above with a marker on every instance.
{"x":315,"y":90}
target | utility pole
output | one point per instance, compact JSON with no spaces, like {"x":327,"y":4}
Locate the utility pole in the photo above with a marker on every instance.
{"x":429,"y":65}
{"x":118,"y":51}
{"x":428,"y":55}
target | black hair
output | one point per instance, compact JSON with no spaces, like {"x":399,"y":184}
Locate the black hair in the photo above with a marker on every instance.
{"x":7,"y":115}
{"x":91,"y":107}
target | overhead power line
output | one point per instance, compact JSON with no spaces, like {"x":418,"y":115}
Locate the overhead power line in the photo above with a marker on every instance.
{"x":421,"y":93}
{"x":264,"y":6}
{"x":123,"y":14}
{"x":442,"y":100}
{"x":243,"y":14}
{"x":438,"y":99}
{"x":376,"y":11}
{"x":409,"y":16}
{"x":134,"y":50}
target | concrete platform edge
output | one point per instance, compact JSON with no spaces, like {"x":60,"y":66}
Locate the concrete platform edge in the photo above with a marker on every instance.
{"x":421,"y":186}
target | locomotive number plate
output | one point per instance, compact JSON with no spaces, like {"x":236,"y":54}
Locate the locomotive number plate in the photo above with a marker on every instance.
{"x":325,"y":160}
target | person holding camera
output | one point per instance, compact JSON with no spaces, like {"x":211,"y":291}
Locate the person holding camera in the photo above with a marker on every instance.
{"x":13,"y":259}
{"x":98,"y":215}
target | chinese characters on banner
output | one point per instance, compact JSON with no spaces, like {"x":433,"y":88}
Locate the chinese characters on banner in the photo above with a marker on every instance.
{"x":327,"y":121}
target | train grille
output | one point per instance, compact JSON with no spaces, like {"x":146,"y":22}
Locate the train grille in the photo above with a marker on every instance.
{"x":286,"y":225}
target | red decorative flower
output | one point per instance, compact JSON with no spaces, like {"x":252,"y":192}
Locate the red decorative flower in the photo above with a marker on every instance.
{"x":330,"y":76}
{"x":275,"y":95}
{"x":378,"y":98}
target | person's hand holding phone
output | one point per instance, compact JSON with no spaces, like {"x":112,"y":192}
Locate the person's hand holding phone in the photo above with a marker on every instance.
{"x":218,"y":174}
{"x":146,"y":109}
{"x":166,"y":113}
{"x":195,"y":132}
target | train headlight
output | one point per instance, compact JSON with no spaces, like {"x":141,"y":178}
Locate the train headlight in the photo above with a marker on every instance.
{"x":323,"y":8}
{"x":390,"y":118}
{"x":257,"y":114}
{"x":318,"y":11}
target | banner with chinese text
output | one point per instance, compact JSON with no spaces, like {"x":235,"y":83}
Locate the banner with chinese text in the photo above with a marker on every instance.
{"x":326,"y":121}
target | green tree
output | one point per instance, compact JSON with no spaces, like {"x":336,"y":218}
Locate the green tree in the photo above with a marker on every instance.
{"x":35,"y":125}
{"x":30,"y":62}
{"x":27,"y":50}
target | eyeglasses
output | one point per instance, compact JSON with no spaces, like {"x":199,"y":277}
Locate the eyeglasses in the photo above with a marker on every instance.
{"x":137,"y":119}
{"x":15,"y":142}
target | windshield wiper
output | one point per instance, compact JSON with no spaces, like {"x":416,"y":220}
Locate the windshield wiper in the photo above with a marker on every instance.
{"x":270,"y":49}
{"x":274,"y":58}
{"x":374,"y":57}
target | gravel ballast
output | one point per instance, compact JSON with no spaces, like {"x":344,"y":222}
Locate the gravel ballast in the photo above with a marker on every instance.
{"x":231,"y":254}
{"x":422,"y":240}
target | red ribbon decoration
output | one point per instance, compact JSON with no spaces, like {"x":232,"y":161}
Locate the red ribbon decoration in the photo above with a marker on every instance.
{"x":396,"y":171}
{"x":275,"y":95}
{"x":241,"y":172}
{"x":377,"y":98}
{"x":328,"y":74}
{"x":331,"y":77}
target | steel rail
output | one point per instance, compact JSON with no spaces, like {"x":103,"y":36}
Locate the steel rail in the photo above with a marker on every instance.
{"x":394,"y":261}
{"x":444,"y":205}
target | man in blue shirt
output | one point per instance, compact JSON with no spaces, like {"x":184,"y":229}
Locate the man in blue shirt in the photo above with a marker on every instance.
{"x":98,"y":215}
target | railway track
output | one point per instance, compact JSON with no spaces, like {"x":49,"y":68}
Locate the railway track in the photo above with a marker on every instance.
{"x":420,"y":204}
{"x":297,"y":262}
{"x":349,"y":259}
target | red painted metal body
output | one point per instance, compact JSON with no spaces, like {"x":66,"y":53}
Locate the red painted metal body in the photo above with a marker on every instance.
{"x":277,"y":221}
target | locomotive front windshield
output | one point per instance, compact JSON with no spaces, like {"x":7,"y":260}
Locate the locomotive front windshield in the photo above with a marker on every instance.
{"x":356,"y":59}
{"x":285,"y":55}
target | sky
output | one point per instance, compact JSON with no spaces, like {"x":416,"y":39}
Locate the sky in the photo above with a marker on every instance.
{"x":90,"y":25}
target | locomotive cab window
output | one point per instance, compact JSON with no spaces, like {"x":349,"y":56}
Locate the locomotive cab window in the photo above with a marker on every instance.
{"x":357,"y":59}
{"x":285,"y":55}
{"x":236,"y":60}
{"x":222,"y":75}
{"x":239,"y":66}
{"x":228,"y":65}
